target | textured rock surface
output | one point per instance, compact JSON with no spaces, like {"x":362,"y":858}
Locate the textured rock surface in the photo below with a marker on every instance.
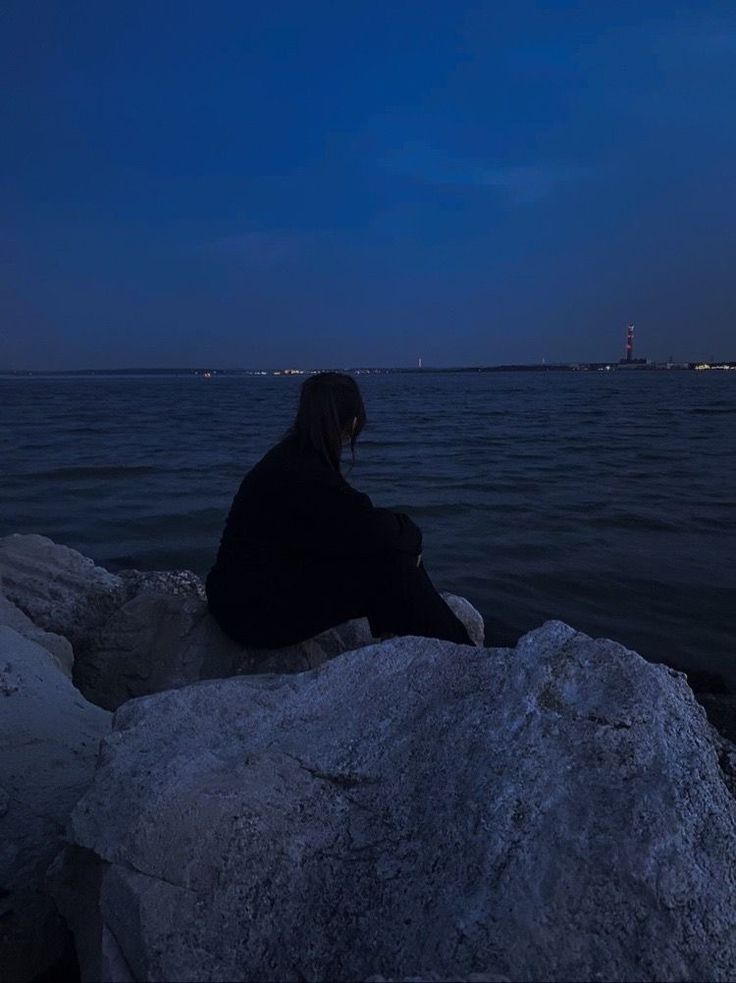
{"x":470,"y":616}
{"x":49,"y":737}
{"x":137,"y":633}
{"x":150,"y":643}
{"x":56,"y":645}
{"x":60,"y":590}
{"x":413,"y":810}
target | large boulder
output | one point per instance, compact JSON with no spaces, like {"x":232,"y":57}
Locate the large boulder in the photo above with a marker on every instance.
{"x":136,"y":633}
{"x":412,"y":810}
{"x":49,"y":738}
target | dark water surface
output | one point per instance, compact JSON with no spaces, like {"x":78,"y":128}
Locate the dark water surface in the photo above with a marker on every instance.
{"x":602,"y":499}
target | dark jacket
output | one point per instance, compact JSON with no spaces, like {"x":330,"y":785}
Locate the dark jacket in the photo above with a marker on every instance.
{"x":293,"y":522}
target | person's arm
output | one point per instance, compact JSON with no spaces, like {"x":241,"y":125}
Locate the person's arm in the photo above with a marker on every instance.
{"x":396,"y":529}
{"x":348,"y":524}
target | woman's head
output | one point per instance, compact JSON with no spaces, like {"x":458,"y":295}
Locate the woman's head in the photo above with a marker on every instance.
{"x":331,"y":412}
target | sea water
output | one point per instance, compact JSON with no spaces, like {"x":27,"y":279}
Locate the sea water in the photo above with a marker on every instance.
{"x":605,"y":499}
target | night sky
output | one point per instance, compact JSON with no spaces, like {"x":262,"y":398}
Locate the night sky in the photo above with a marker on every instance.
{"x":353,"y":184}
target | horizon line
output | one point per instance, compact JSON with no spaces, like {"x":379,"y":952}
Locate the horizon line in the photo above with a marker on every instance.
{"x":291,"y":370}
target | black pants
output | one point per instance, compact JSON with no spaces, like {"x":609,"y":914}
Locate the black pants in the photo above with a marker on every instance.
{"x":294,"y":602}
{"x":406,"y":603}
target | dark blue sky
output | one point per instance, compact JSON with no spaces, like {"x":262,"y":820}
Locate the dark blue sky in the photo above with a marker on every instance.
{"x":349,"y":183}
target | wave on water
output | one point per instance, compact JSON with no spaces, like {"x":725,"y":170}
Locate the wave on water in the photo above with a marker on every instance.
{"x":102,"y":472}
{"x":107,"y":472}
{"x":713,"y":410}
{"x":206,"y":517}
{"x":634,"y":520}
{"x":440,"y":509}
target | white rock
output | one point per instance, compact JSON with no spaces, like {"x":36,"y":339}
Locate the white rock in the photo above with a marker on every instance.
{"x":145,"y":647}
{"x":413,"y":809}
{"x":56,"y":645}
{"x":470,"y":616}
{"x":49,"y":738}
{"x":60,"y":590}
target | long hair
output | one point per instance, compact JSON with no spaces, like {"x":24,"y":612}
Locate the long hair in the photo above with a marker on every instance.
{"x":328,"y":404}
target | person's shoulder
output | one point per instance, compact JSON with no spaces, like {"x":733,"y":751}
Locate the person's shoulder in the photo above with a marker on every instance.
{"x":274,"y":462}
{"x":289,"y":452}
{"x":281,"y":451}
{"x":289,"y":459}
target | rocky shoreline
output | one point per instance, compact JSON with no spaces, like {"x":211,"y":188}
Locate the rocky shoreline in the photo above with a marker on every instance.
{"x":342,"y":809}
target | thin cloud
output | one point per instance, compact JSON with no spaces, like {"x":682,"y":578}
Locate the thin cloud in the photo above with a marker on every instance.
{"x":264,"y":248}
{"x":527,"y":183}
{"x":520,"y":183}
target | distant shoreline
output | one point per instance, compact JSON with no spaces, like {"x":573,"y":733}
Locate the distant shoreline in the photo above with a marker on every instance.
{"x":637,"y":366}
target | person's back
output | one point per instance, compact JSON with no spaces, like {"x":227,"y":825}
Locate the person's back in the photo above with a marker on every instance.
{"x":302,"y":550}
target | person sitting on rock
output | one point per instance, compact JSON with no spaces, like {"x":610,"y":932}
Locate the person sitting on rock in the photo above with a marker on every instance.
{"x":303,"y":551}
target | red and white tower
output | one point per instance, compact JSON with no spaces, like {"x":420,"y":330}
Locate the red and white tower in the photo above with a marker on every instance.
{"x":629,"y":342}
